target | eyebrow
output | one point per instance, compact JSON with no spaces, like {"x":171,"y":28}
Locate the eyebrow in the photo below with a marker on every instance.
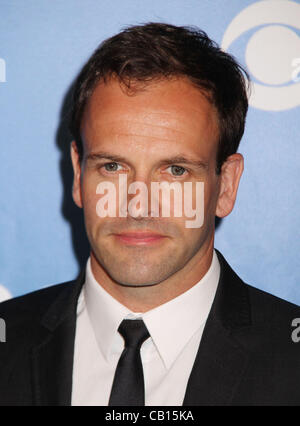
{"x":94,"y":156}
{"x":184,"y":160}
{"x":168,"y":161}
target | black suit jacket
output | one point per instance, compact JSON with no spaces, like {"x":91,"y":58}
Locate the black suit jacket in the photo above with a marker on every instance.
{"x":246,"y":355}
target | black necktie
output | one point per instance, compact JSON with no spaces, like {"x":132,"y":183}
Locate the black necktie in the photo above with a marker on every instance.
{"x":128,"y":385}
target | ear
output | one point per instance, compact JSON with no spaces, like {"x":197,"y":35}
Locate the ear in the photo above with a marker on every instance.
{"x":76,"y":190}
{"x":231,"y":173}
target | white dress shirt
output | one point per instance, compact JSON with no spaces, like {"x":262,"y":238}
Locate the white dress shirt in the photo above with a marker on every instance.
{"x":167,"y":355}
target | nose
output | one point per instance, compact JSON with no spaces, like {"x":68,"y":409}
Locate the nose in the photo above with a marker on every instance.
{"x":139,"y":190}
{"x":139,"y":196}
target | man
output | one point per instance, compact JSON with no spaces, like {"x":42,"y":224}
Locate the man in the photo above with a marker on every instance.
{"x":158,"y":317}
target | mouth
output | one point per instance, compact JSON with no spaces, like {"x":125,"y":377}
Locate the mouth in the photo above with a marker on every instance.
{"x":139,"y":238}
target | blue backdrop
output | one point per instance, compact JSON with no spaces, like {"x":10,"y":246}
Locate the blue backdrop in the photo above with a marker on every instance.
{"x":43,"y":45}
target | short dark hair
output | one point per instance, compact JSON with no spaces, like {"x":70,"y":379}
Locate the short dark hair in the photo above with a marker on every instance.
{"x":152,"y":51}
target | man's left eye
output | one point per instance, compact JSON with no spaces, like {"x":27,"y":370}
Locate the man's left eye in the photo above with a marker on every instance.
{"x":112,"y":166}
{"x":177,"y":170}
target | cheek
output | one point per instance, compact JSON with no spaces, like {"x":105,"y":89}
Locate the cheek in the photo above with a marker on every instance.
{"x":100,"y":209}
{"x":89,"y":196}
{"x":203,"y":199}
{"x":211,"y":192}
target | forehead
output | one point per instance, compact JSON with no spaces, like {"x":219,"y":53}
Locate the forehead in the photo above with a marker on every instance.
{"x":160,"y":112}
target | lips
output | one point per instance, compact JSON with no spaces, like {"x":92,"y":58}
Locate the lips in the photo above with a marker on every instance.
{"x":139,"y":238}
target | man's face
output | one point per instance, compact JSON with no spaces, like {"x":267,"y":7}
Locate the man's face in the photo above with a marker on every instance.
{"x":166,"y":132}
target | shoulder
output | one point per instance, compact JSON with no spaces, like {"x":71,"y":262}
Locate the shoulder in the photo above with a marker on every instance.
{"x":247,"y":299}
{"x":32,"y":306}
{"x":266,"y":306}
{"x":275,"y":327}
{"x":265,"y":325}
{"x":272,"y":336}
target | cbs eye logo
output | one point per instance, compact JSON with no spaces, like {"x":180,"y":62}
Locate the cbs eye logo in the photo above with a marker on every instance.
{"x":272,"y":53}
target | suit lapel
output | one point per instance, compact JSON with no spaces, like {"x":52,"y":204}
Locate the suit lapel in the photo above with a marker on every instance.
{"x":217,"y":371}
{"x":221,"y":360}
{"x":52,"y":358}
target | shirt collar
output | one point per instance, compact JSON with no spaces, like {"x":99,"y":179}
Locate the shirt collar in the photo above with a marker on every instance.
{"x":170,"y":325}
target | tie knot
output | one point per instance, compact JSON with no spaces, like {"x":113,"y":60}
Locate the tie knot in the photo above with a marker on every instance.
{"x":134,"y":332}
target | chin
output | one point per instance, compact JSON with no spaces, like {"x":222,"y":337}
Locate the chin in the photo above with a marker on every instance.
{"x":137,"y":275}
{"x":141,"y":269}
